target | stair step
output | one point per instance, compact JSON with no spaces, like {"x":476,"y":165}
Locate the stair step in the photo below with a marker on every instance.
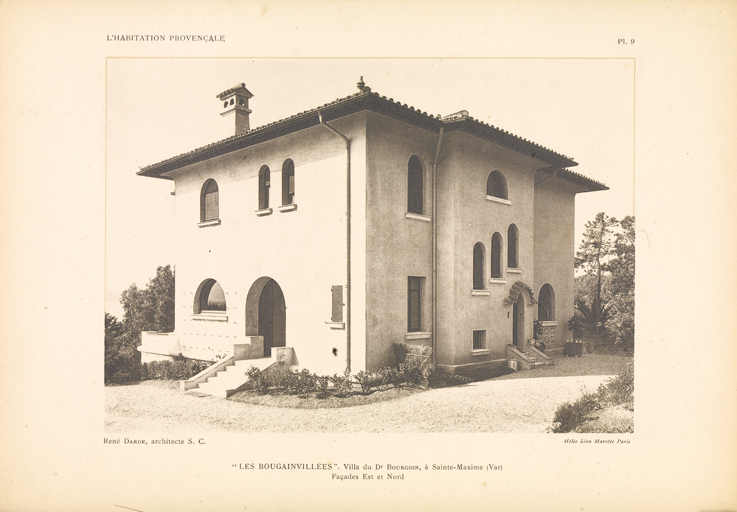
{"x":228,"y":378}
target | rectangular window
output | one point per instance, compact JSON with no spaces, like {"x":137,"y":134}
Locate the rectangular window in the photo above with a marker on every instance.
{"x":337,"y":304}
{"x":414,"y":304}
{"x":479,"y":340}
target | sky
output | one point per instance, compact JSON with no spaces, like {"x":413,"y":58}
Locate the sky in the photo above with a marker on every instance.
{"x":159,"y":108}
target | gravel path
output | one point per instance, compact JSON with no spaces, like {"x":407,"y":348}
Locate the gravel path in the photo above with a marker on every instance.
{"x":519,"y":403}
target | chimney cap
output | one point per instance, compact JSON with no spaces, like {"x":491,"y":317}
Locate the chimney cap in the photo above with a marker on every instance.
{"x":362,"y":86}
{"x":238,"y":89}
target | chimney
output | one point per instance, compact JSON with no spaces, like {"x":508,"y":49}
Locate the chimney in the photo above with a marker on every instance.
{"x":235,"y":103}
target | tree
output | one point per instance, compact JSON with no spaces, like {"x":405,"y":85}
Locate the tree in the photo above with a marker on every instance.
{"x":622,"y":268}
{"x":150,"y":309}
{"x":593,"y":255}
{"x":584,"y":297}
{"x":147,"y":309}
{"x":621,"y":321}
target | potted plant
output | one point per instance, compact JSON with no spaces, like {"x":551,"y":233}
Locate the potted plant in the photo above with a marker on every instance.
{"x":575,"y":347}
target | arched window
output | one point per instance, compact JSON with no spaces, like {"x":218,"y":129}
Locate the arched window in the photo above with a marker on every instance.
{"x":209,"y":201}
{"x":478,"y":266}
{"x":209,"y":297}
{"x":496,"y":256}
{"x":512,"y":247}
{"x":546,"y":303}
{"x":415,"y":185}
{"x":264,"y":182}
{"x":496,"y":185}
{"x":287,"y":182}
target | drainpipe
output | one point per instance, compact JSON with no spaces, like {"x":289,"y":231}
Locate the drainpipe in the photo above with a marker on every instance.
{"x":435,"y":248}
{"x":347,"y":238}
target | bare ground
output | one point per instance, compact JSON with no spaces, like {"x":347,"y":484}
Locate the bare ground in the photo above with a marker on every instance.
{"x":519,"y":403}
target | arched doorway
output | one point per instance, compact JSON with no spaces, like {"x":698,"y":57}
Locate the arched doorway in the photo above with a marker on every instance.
{"x":266,"y":314}
{"x":518,"y":323}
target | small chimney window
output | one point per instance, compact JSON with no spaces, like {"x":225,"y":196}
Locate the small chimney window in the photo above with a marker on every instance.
{"x":225,"y":104}
{"x":242,"y":103}
{"x":231,"y":101}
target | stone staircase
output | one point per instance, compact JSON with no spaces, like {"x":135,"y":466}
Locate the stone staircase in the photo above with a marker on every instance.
{"x":530,"y":359}
{"x":229,"y":380}
{"x":227,"y":377}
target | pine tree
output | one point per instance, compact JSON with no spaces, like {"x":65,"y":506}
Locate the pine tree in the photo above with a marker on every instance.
{"x":593,"y":255}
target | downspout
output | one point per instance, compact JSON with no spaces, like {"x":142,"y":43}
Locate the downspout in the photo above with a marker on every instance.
{"x":435,"y":248}
{"x":347,"y":237}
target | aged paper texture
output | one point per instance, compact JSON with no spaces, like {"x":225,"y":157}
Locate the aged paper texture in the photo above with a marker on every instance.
{"x":81,"y":82}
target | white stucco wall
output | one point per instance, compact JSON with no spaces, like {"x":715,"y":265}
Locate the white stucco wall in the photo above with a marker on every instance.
{"x":302,"y":250}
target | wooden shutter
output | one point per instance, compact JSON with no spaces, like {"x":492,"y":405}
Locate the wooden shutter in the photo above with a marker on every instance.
{"x":415,"y":187}
{"x":337,"y":303}
{"x":512,"y":239}
{"x":478,"y":267}
{"x":263,"y":192}
{"x":211,"y":206}
{"x":414,"y":306}
{"x":496,"y":256}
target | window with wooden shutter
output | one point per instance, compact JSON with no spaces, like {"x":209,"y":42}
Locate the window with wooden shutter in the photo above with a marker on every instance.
{"x":512,"y":247}
{"x":415,"y":185}
{"x":414,"y":304}
{"x":337,"y":304}
{"x":546,"y":303}
{"x":478,"y":266}
{"x":496,"y":185}
{"x":496,"y":256}
{"x":209,"y":201}
{"x":287,"y":182}
{"x":264,"y":182}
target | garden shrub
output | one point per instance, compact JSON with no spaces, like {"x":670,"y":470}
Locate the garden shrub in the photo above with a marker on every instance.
{"x":258,"y":379}
{"x":616,"y":391}
{"x":569,"y":415}
{"x":367,"y":380}
{"x":172,"y":370}
{"x":620,"y":389}
{"x":342,"y":386}
{"x":410,"y":373}
{"x":404,"y":352}
{"x":322,"y":383}
{"x":303,"y":382}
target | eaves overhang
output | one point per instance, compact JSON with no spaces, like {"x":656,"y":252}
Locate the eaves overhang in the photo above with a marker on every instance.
{"x":364,"y":100}
{"x":508,"y":140}
{"x":586,"y":184}
{"x":330,"y":111}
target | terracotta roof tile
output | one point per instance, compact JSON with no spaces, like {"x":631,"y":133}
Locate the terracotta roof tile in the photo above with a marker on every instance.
{"x":454,"y":119}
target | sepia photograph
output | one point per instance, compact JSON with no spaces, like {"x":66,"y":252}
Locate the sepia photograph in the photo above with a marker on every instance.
{"x":269,"y":256}
{"x":383,"y":233}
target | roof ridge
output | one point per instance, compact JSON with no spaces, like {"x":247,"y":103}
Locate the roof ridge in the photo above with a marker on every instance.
{"x":458,"y":117}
